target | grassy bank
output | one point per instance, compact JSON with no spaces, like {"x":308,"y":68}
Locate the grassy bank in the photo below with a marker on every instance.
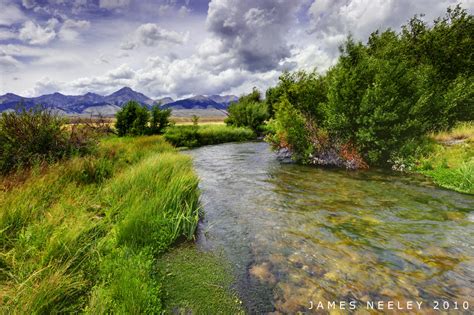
{"x":451,"y":164}
{"x":82,"y":235}
{"x":194,"y":136}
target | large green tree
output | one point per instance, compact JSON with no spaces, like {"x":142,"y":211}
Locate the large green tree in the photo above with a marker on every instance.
{"x":250,"y":111}
{"x":159,"y":119}
{"x":132,"y":119}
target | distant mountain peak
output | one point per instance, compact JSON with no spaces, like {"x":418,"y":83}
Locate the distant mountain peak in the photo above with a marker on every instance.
{"x":92,"y":102}
{"x":199,"y":98}
{"x":126,"y":94}
{"x":164,"y":100}
{"x":126,"y":89}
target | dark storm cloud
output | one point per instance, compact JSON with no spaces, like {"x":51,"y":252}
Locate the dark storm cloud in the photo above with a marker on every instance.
{"x":181,"y":47}
{"x":254,"y":32}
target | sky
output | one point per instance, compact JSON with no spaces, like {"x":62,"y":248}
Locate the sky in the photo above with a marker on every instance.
{"x":180,"y":48}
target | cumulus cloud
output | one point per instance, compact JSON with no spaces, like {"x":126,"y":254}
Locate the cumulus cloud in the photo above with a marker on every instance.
{"x":164,"y":9}
{"x":29,"y":4}
{"x":44,"y":86}
{"x":151,"y":34}
{"x":113,"y":4}
{"x":111,"y":81}
{"x":70,"y":29}
{"x":6,"y":34}
{"x":35,"y":34}
{"x":128,"y":45}
{"x":184,"y":11}
{"x":333,"y":20}
{"x":11,"y":14}
{"x":253,"y":31}
{"x":122,"y":72}
{"x":8,"y":63}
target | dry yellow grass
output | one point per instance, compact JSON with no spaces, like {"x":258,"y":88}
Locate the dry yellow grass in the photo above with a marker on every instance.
{"x":215,"y":120}
{"x":463,"y":131}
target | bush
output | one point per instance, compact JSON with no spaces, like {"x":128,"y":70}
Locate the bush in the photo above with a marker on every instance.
{"x":288,"y":131}
{"x":249,"y":112}
{"x":194,"y":136}
{"x":132,"y":119}
{"x":39,"y":136}
{"x":135,"y":120}
{"x":159,"y":120}
{"x":379,"y":105}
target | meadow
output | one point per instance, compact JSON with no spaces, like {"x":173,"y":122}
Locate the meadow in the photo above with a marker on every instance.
{"x":85,"y":234}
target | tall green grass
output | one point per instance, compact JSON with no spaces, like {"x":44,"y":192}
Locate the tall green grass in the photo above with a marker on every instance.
{"x":451,"y":165}
{"x":82,"y":234}
{"x":194,"y":136}
{"x":460,"y":178}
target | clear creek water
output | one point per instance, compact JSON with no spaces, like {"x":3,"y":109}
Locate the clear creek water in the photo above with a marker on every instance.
{"x":297,"y":234}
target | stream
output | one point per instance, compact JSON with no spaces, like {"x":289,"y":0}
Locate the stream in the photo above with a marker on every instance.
{"x":298,"y":236}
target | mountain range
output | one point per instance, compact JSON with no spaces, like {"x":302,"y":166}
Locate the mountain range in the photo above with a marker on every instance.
{"x":91,"y":103}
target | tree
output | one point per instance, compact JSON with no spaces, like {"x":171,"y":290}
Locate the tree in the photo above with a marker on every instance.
{"x":159,"y":119}
{"x":195,"y":120}
{"x":132,"y":119}
{"x":381,"y":100}
{"x":249,"y":111}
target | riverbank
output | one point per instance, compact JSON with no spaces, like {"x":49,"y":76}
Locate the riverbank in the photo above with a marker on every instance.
{"x":451,"y":163}
{"x":85,"y":234}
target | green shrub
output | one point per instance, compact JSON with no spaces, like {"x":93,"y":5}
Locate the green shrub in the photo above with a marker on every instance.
{"x":182,"y":136}
{"x":250,"y":111}
{"x":132,"y":119}
{"x":288,"y":130}
{"x":194,"y":136}
{"x":135,"y":120}
{"x":378,"y":105}
{"x":159,"y":120}
{"x":38,"y":135}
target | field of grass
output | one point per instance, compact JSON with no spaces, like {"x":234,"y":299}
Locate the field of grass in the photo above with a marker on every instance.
{"x":194,"y":136}
{"x":83,"y":235}
{"x":207,"y":120}
{"x":451,"y":165}
{"x":178,"y":120}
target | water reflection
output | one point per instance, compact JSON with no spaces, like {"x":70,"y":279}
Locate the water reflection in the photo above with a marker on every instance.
{"x":297,"y":234}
